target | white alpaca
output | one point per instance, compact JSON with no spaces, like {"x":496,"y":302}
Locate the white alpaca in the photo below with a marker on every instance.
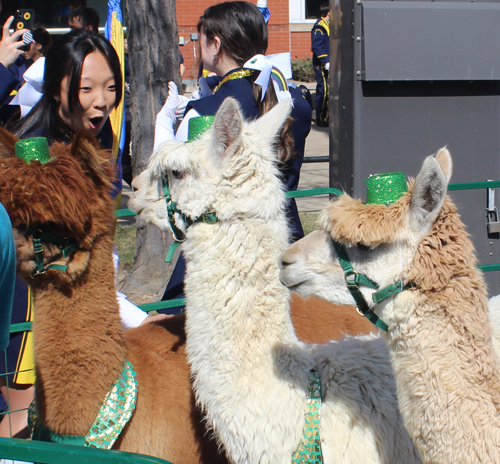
{"x":250,"y":372}
{"x":439,"y":335}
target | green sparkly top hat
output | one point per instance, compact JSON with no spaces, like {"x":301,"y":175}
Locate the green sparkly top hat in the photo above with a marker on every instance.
{"x":198,"y":126}
{"x":383,"y":189}
{"x":33,"y":149}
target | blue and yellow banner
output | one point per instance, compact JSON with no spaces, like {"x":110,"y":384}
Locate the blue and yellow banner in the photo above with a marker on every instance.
{"x":114,"y":33}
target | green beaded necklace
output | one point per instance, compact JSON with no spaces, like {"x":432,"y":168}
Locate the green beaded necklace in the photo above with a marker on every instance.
{"x":114,"y":414}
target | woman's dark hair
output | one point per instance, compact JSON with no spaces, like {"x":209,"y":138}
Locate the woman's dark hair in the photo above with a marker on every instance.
{"x":240,"y":27}
{"x":243,"y":33}
{"x":41,"y":36}
{"x":65,"y":59}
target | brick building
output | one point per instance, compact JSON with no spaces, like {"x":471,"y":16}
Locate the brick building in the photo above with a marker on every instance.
{"x":289,"y":28}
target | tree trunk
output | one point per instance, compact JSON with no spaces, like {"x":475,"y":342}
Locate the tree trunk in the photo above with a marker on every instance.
{"x":153,"y":46}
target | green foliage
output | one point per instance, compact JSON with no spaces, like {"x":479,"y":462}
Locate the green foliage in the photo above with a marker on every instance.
{"x":302,"y":70}
{"x":308,"y":221}
{"x":125,"y":244}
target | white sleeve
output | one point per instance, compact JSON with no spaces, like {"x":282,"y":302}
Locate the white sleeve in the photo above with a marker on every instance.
{"x":182,"y":131}
{"x":131,"y":315}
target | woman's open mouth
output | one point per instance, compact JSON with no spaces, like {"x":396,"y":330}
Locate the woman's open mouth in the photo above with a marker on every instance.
{"x":96,"y":122}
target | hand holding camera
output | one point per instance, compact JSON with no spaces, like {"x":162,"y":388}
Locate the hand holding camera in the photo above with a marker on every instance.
{"x":10,"y":46}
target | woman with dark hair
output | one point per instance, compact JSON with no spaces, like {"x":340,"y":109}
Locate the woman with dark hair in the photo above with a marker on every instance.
{"x":233,"y":39}
{"x":82,"y":84}
{"x":40,"y":45}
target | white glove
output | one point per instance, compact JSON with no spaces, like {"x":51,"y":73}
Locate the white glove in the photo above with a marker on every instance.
{"x":179,"y":112}
{"x":327,"y":66}
{"x":203,"y":92}
{"x":164,"y":126}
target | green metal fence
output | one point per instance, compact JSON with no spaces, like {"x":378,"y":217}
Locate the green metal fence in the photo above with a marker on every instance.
{"x":54,"y":453}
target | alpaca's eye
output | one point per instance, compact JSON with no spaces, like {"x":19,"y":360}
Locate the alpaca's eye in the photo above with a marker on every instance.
{"x":177,"y":174}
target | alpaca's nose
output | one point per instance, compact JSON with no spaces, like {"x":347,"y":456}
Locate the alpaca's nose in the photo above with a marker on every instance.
{"x":287,"y":258}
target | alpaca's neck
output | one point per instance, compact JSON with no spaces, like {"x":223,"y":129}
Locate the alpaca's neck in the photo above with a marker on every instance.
{"x":232,"y":284}
{"x":447,"y":373}
{"x":240,"y":339}
{"x":79,"y":347}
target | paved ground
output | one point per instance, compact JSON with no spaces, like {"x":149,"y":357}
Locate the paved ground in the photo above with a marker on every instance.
{"x":314,"y":175}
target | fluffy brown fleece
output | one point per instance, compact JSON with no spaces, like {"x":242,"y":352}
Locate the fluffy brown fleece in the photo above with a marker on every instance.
{"x":318,"y":321}
{"x":351,"y":222}
{"x":79,"y":343}
{"x":60,"y":189}
{"x":446,"y":368}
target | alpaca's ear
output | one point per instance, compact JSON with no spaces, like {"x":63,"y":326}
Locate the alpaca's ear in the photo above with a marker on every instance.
{"x":7,"y":143}
{"x":430,"y":190}
{"x":269,"y":124}
{"x":85,"y":148}
{"x":443,"y":157}
{"x":227,"y":127}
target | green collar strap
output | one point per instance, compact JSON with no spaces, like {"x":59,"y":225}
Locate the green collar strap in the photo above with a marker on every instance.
{"x":390,"y":290}
{"x":68,"y":246}
{"x":114,"y":414}
{"x":178,"y":235}
{"x":309,"y":450}
{"x":354,"y":280}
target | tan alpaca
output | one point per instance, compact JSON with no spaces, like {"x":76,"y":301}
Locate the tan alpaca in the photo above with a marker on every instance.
{"x":79,"y":343}
{"x":439,"y":335}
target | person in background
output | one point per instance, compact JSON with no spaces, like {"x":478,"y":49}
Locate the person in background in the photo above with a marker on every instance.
{"x":32,"y":78}
{"x":39,"y":46}
{"x":182,"y":66}
{"x":320,"y":38}
{"x":7,"y":275}
{"x":84,"y":17}
{"x":15,"y":420}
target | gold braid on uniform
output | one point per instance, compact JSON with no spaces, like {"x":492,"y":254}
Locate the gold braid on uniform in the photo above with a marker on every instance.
{"x":234,"y":75}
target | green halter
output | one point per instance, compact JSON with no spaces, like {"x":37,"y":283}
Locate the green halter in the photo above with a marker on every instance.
{"x":354,"y":280}
{"x":178,"y":235}
{"x":67,"y":245}
{"x":196,"y":128}
{"x":382,"y":189}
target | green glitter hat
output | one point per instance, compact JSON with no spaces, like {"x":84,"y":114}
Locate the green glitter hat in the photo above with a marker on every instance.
{"x":33,"y":149}
{"x":383,"y":189}
{"x":198,"y":126}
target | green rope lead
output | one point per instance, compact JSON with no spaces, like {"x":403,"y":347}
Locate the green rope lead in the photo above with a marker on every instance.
{"x":170,"y":252}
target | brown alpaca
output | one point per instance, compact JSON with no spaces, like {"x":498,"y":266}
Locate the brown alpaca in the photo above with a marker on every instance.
{"x":80,"y":346}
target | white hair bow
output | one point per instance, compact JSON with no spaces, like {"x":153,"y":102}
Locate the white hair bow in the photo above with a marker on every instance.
{"x":265,"y":64}
{"x":262,"y":64}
